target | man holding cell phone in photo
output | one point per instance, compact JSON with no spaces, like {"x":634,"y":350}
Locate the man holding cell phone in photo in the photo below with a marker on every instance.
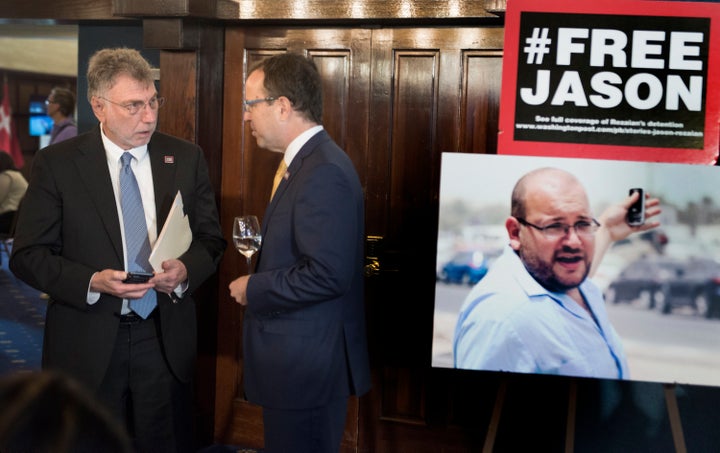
{"x":86,"y":227}
{"x":536,"y":311}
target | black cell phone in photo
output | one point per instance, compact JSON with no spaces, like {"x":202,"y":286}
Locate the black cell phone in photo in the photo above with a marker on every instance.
{"x":636,"y":212}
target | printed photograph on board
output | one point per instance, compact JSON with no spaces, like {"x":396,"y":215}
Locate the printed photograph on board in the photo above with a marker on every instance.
{"x":578,"y":267}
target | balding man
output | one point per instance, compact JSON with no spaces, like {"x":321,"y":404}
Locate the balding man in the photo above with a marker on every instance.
{"x":536,"y":311}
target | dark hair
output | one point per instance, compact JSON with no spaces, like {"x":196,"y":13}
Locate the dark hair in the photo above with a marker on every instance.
{"x":50,"y":412}
{"x":65,"y":99}
{"x":6,"y":161}
{"x":295,"y":77}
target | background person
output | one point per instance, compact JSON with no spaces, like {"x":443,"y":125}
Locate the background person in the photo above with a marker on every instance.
{"x":12,"y":189}
{"x":304,"y":337}
{"x":61,"y":108}
{"x":536,"y":311}
{"x":72,"y":243}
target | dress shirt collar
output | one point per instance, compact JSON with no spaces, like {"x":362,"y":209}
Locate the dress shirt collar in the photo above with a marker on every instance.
{"x":114,"y":152}
{"x":295,"y":145}
{"x":534,"y":289}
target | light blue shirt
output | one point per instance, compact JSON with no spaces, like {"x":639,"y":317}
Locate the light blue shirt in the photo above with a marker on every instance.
{"x":509,"y":322}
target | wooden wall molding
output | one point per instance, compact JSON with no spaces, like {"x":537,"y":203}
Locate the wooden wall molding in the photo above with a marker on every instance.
{"x":217,"y":9}
{"x":496,"y":6}
{"x":358,"y":10}
{"x":170,"y":34}
{"x":250,"y":10}
{"x":313,"y":10}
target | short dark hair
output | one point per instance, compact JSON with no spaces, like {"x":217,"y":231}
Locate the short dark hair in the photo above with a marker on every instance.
{"x":296,"y":77}
{"x":65,"y":99}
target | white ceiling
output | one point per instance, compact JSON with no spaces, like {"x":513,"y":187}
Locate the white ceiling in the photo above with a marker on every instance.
{"x":39,"y":48}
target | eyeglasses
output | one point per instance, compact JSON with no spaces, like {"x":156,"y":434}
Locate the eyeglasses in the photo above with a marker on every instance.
{"x":582,"y":228}
{"x":248,"y":104}
{"x":49,"y":101}
{"x":134,"y":107}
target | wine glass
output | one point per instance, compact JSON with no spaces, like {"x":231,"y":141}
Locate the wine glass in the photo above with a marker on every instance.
{"x":247,"y":237}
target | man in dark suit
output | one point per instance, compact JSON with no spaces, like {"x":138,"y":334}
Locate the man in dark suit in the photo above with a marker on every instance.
{"x":304,"y":337}
{"x":71,"y":243}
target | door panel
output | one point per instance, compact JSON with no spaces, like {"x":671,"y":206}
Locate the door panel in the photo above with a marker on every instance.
{"x":480,"y":100}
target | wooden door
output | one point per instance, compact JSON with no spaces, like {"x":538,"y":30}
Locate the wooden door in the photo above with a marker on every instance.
{"x":433,"y":91}
{"x":395,"y":99}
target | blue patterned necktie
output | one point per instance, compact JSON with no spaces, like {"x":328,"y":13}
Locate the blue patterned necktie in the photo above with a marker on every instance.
{"x":136,"y":234}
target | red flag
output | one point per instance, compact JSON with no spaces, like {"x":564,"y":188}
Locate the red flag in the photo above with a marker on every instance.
{"x":8,"y":136}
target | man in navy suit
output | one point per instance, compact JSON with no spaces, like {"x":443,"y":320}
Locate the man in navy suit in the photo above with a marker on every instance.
{"x":71,"y":243}
{"x":304,"y":336}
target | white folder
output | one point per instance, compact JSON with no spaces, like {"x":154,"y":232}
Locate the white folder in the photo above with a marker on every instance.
{"x":175,"y":237}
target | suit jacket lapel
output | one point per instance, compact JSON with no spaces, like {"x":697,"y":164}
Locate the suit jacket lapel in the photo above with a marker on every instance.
{"x":163,"y":171}
{"x":292,"y":171}
{"x":296,"y":164}
{"x":92,"y":168}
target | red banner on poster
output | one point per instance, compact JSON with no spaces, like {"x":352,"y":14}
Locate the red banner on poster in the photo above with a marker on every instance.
{"x":628,"y":80}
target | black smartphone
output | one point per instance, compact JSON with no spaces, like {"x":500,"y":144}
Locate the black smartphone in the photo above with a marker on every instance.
{"x":138,"y":277}
{"x":636,"y":213}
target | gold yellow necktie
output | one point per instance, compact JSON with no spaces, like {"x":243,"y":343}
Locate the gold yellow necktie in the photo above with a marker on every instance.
{"x":282,"y":168}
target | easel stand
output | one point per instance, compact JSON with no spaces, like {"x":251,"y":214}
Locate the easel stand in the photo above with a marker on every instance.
{"x":670,"y":402}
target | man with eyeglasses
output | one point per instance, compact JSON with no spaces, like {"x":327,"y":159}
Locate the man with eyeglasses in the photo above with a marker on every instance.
{"x":536,"y":311}
{"x":60,"y":105}
{"x":94,"y":208}
{"x":304,"y":339}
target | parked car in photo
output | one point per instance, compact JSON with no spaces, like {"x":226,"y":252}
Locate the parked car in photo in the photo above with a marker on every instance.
{"x":668,"y":284}
{"x":641,"y":281}
{"x":695,"y":285}
{"x":466,"y":267}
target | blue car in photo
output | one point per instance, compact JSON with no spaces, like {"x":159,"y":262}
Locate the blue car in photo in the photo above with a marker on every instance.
{"x":465,"y":267}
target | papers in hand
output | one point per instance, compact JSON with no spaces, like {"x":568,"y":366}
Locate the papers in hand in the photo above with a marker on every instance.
{"x":175,"y":237}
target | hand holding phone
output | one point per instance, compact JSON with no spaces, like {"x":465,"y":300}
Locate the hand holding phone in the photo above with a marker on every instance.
{"x":138,"y":277}
{"x":636,"y":212}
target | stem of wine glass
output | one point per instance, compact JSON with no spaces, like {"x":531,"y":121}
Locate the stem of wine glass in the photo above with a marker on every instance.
{"x":249,"y":263}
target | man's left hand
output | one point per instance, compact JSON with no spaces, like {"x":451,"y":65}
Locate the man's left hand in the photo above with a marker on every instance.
{"x":238,"y":289}
{"x":174,"y":273}
{"x":613,"y":219}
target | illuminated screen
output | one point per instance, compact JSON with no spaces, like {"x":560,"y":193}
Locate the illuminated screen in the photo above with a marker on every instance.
{"x":40,"y":125}
{"x":653,"y":302}
{"x":40,"y":122}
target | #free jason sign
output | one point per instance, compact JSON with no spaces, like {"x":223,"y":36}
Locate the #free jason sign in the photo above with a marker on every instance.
{"x":631,"y":80}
